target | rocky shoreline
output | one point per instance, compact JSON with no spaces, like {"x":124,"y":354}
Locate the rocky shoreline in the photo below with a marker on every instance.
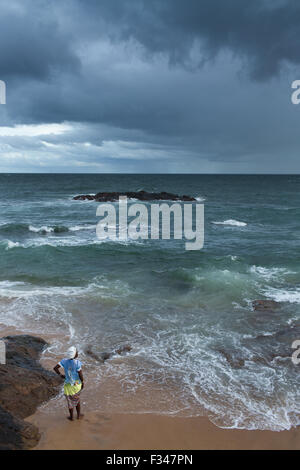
{"x":24,"y":385}
{"x":140,"y":195}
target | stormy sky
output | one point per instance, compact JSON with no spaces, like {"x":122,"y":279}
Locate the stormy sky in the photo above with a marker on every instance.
{"x":166,"y":86}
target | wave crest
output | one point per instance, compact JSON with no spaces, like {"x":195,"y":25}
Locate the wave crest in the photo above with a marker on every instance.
{"x":232,"y":222}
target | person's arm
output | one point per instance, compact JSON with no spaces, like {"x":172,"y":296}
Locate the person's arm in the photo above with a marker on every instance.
{"x":56,"y":369}
{"x":81,"y":378}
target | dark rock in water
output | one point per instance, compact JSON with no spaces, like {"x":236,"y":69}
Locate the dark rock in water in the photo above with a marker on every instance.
{"x":265,"y":305}
{"x":24,"y":385}
{"x":93,"y":355}
{"x":279,"y":344}
{"x":84,"y":197}
{"x":235,"y":362}
{"x":123,"y":349}
{"x":140,"y":195}
{"x":103,"y":356}
{"x":265,"y":349}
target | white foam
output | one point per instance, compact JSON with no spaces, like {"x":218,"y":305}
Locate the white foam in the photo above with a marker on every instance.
{"x":77,"y":228}
{"x":11,"y":244}
{"x":10,"y":284}
{"x":23,"y":290}
{"x":44,"y":228}
{"x":226,"y":393}
{"x":67,"y":241}
{"x":283,"y":295}
{"x":232,"y":222}
{"x":186,"y":358}
{"x":269,"y":273}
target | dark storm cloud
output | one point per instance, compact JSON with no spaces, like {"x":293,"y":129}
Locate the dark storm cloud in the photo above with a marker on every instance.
{"x":38,"y":36}
{"x":263,"y":32}
{"x":32,"y":45}
{"x":148,"y":85}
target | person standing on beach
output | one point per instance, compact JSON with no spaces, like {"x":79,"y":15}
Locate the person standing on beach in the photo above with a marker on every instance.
{"x":73,"y":380}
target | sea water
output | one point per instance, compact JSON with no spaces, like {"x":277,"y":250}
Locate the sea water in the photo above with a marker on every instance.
{"x":198,"y":346}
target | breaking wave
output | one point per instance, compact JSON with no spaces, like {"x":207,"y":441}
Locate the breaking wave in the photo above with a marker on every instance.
{"x":232,"y":222}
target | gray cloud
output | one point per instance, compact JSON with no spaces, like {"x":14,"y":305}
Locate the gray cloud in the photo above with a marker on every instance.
{"x":263,"y":32}
{"x":33,"y":45}
{"x":151,"y":86}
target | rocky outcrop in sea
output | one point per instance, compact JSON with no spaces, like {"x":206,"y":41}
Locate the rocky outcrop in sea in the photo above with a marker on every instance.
{"x":140,"y":195}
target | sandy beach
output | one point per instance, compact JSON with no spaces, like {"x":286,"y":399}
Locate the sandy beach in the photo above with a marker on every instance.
{"x":147,"y":431}
{"x":142,"y":431}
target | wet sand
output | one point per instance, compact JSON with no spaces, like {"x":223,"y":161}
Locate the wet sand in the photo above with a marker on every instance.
{"x":148,"y":431}
{"x":99,"y":430}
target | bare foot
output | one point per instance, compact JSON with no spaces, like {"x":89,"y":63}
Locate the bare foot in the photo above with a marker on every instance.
{"x":69,"y":418}
{"x":80,"y":416}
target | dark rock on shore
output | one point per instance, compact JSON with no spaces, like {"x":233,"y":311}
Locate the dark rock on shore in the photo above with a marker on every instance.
{"x":140,"y":195}
{"x":24,"y":385}
{"x":16,"y":434}
{"x":103,"y":356}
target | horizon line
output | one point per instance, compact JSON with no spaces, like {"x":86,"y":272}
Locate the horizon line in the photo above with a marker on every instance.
{"x":141,"y":173}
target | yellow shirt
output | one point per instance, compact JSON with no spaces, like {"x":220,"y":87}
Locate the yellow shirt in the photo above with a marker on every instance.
{"x":72,"y":389}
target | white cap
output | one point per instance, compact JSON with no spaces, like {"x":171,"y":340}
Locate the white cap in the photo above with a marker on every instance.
{"x":71,"y":353}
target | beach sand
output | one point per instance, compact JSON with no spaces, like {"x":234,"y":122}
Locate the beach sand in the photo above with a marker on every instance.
{"x":100,"y":430}
{"x":149,"y":431}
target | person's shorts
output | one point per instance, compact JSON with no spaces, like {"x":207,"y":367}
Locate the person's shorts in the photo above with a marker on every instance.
{"x":72,"y":394}
{"x":73,"y":400}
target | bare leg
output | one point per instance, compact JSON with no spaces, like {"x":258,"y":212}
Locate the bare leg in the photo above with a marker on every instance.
{"x":71,"y":414}
{"x":79,"y":415}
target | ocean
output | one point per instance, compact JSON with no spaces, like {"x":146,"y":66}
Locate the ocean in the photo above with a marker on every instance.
{"x":198,"y":345}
